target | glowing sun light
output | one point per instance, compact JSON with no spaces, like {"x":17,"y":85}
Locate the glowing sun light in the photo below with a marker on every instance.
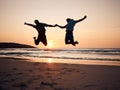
{"x":50,"y":44}
{"x":49,"y":60}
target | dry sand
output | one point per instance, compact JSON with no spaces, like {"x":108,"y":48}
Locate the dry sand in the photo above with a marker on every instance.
{"x":23,"y":75}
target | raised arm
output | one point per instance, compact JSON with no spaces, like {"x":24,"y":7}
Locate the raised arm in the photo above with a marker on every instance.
{"x":29,"y":24}
{"x":60,"y":26}
{"x":81,"y":19}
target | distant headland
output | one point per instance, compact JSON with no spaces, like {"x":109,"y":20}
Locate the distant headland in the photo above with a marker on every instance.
{"x":14,"y":45}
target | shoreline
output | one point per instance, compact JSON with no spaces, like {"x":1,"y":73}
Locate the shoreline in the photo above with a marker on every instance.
{"x":63,"y":61}
{"x":21,"y":74}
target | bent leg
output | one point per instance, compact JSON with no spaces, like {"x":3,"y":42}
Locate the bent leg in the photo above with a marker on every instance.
{"x":36,"y":41}
{"x":67,"y":41}
{"x":44,"y":40}
{"x":72,"y":40}
{"x":69,"y":38}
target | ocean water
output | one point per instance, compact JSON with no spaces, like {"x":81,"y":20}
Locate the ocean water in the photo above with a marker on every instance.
{"x":68,"y":54}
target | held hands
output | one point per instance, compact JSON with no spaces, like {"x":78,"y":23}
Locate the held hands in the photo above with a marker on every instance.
{"x":55,"y":25}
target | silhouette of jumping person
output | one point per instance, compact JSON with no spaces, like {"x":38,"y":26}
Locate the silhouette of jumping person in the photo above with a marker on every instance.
{"x":40,"y":27}
{"x":69,"y":38}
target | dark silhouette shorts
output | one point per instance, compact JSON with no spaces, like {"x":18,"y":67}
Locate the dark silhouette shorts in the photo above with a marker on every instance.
{"x":69,"y":37}
{"x":41,"y":38}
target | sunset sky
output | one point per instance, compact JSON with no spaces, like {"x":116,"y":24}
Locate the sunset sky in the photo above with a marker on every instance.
{"x":101,"y":29}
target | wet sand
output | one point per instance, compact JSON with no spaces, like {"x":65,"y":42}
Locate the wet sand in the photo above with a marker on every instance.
{"x":19,"y":74}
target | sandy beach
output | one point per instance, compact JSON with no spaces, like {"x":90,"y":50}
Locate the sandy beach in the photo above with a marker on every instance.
{"x":19,"y":74}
